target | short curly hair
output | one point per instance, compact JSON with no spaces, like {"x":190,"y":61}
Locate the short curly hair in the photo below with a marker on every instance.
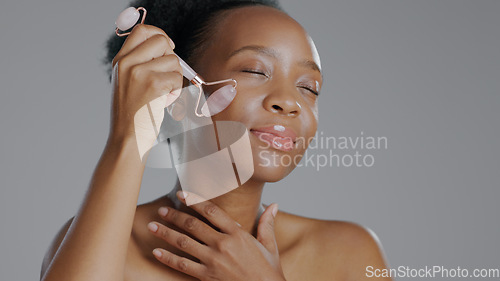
{"x":185,"y":21}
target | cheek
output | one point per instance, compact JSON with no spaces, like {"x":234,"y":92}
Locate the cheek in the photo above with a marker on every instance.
{"x":244,"y":105}
{"x":309,"y":120}
{"x":310,"y":106}
{"x":315,"y":111}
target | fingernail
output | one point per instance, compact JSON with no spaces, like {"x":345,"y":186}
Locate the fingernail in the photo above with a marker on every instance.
{"x":172,"y":44}
{"x":183,"y":194}
{"x":238,"y":224}
{"x":163,"y":211}
{"x":157,"y":253}
{"x":275,"y":210}
{"x":152,"y":226}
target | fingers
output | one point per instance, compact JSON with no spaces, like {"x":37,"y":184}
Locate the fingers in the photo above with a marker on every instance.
{"x":190,"y":224}
{"x":172,"y":97}
{"x":145,"y":73}
{"x":212,"y":213}
{"x":265,"y":229}
{"x":169,"y":65}
{"x":138,"y":35}
{"x":179,"y":240}
{"x":181,"y":264}
{"x":160,"y":83}
{"x":166,"y":63}
{"x":152,"y":48}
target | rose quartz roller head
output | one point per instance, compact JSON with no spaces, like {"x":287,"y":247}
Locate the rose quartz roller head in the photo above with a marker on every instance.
{"x":128,"y":18}
{"x":217,"y":101}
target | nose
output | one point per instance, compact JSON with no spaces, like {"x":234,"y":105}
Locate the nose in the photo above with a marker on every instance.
{"x":282,"y":102}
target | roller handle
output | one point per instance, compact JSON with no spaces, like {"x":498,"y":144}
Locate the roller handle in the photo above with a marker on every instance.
{"x":187,"y":71}
{"x":129,"y":17}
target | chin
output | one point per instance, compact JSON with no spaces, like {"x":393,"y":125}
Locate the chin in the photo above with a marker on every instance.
{"x":268,"y":167}
{"x":262,"y":174}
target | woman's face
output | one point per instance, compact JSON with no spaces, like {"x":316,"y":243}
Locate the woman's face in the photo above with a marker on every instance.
{"x":277,"y":69}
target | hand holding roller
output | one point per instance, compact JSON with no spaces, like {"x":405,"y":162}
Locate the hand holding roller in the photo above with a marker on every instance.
{"x":216,"y":102}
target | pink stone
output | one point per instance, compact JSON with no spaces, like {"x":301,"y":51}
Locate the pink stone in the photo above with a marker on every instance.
{"x":127,"y":18}
{"x":218,"y":101}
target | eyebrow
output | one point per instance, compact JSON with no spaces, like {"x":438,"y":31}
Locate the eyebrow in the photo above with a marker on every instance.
{"x":273,"y":54}
{"x":310,"y":64}
{"x":258,"y":49}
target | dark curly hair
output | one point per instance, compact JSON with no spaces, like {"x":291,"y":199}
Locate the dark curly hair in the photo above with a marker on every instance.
{"x":185,"y":21}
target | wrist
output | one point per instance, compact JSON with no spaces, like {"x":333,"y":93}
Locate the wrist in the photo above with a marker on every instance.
{"x":125,"y":147}
{"x":140,"y":143}
{"x":120,"y":142}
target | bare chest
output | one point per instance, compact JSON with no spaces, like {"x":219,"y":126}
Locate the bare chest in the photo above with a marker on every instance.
{"x":142,"y":266}
{"x":297,"y":263}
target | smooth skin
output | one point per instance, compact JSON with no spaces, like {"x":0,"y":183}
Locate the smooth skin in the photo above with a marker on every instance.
{"x":110,"y":238}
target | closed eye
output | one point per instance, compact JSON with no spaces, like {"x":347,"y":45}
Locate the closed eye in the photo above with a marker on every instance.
{"x":311,"y":90}
{"x":308,"y":88}
{"x":257,"y":72}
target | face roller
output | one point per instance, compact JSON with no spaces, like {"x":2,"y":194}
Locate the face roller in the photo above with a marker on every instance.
{"x":216,"y":102}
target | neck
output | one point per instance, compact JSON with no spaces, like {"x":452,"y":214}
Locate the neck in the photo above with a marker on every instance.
{"x":243,"y":204}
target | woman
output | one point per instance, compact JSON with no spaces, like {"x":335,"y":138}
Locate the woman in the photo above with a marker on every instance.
{"x":229,"y":237}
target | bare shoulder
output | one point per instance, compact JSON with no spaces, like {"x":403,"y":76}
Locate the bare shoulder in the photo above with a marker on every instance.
{"x":340,"y":248}
{"x":54,"y":245}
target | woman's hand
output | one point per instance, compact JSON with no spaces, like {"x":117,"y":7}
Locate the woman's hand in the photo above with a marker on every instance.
{"x":229,"y":254}
{"x":146,"y":78}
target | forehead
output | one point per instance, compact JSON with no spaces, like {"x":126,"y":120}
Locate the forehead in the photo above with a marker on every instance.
{"x":263,"y":26}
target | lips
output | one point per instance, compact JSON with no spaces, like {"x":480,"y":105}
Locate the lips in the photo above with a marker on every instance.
{"x":277,"y":136}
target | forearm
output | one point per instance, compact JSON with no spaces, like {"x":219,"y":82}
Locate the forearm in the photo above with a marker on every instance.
{"x":95,"y":245}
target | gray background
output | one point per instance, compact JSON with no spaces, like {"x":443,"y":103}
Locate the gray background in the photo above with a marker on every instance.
{"x":425,"y":74}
